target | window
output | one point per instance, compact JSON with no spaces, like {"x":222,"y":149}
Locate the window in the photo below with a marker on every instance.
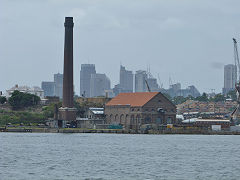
{"x":169,"y":120}
{"x":159,"y":120}
{"x":132,"y":109}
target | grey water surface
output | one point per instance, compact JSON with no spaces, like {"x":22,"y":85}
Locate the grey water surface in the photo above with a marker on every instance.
{"x":118,"y":156}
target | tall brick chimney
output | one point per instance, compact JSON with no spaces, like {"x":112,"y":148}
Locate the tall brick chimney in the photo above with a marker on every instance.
{"x":67,"y":112}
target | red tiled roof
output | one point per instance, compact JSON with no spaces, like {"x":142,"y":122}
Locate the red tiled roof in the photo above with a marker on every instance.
{"x":133,"y":99}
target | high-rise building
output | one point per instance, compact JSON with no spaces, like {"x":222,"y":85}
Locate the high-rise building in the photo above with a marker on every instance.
{"x":230,"y":78}
{"x":85,"y":76}
{"x":190,"y":91}
{"x":48,"y":88}
{"x":140,"y":81}
{"x":175,"y":90}
{"x":126,"y":79}
{"x":98,"y":84}
{"x":117,"y":89}
{"x":153,"y":85}
{"x":58,"y":80}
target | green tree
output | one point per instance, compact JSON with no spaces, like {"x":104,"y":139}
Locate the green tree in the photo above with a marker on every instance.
{"x":202,"y":98}
{"x":179,"y":100}
{"x":218,"y":97}
{"x":21,"y":100}
{"x":2,"y":99}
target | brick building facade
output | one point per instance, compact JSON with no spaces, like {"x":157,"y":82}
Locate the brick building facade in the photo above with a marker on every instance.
{"x":135,"y":109}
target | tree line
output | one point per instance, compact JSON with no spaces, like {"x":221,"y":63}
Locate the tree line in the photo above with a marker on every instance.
{"x":204,"y":98}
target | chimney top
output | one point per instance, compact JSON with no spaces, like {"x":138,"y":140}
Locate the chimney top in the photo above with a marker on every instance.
{"x":68,"y":22}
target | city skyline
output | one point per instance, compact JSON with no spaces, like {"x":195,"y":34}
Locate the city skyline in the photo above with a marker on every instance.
{"x":175,"y":38}
{"x":138,"y":82}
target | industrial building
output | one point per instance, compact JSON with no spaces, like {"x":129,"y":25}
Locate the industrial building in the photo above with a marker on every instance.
{"x":135,"y":109}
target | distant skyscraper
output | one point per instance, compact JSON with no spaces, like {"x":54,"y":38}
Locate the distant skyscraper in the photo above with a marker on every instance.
{"x":48,"y":88}
{"x":85,"y":76}
{"x":98,"y":84}
{"x":140,"y":84}
{"x":191,"y":91}
{"x":175,"y":90}
{"x":153,"y":85}
{"x":230,"y":78}
{"x":117,"y":89}
{"x":126,"y":80}
{"x":58,"y":80}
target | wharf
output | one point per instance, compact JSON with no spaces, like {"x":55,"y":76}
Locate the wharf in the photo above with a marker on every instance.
{"x":115,"y":131}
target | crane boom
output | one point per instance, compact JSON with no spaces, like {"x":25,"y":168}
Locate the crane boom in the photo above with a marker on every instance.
{"x":236,"y":58}
{"x":147,"y":86}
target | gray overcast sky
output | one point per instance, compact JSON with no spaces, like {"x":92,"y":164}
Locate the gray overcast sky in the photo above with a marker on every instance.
{"x":187,"y":40}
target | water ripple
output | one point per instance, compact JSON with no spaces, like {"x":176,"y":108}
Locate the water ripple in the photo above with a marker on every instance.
{"x":118,"y":156}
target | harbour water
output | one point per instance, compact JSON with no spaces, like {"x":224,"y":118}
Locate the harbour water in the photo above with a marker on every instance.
{"x":118,"y":156}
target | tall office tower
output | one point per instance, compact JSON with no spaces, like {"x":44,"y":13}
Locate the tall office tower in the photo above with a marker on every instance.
{"x":126,"y":80}
{"x":140,"y":78}
{"x":98,"y":84}
{"x":48,"y":88}
{"x":175,"y":90}
{"x":58,"y":80}
{"x":230,"y":78}
{"x":85,"y":76}
{"x":153,"y":85}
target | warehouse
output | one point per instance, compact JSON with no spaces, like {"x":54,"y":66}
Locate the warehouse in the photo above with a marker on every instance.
{"x":135,"y":109}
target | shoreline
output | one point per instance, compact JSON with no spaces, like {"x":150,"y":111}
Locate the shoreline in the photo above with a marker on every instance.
{"x":112,"y":131}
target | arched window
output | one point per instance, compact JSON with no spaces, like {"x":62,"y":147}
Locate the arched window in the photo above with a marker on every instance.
{"x":131,"y":121}
{"x":126,"y":120}
{"x":116,"y":118}
{"x":121,"y":119}
{"x":110,"y":118}
{"x":138,"y":119}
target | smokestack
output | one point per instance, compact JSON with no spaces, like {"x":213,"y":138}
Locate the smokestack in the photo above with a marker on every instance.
{"x":67,"y":112}
{"x":68,"y":64}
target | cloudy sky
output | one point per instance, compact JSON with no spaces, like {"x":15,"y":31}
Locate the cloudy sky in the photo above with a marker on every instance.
{"x":188,"y":41}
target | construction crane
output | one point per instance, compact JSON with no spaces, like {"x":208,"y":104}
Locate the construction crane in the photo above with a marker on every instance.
{"x":235,"y":116}
{"x":236,"y":59}
{"x":160,"y":83}
{"x":149,"y":90}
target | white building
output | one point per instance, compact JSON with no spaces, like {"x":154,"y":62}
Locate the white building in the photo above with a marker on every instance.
{"x":25,"y":89}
